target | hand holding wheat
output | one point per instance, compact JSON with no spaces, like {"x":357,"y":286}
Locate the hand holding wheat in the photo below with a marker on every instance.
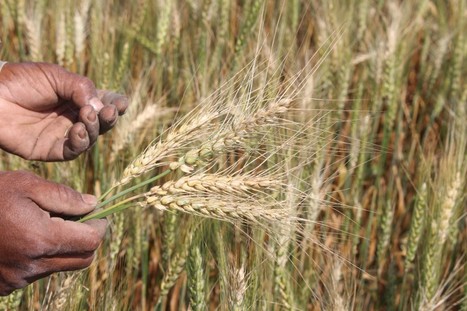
{"x":48,"y":114}
{"x":35,"y":240}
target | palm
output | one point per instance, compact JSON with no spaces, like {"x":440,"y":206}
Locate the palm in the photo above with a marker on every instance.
{"x":46,"y":112}
{"x":35,"y":134}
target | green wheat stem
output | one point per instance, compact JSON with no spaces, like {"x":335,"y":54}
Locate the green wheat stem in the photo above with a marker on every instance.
{"x":102,"y":197}
{"x":131,"y":189}
{"x":101,"y":213}
{"x":120,"y":206}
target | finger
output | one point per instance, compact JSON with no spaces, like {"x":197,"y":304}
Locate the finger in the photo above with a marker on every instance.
{"x":56,"y":198}
{"x":45,"y":266}
{"x":51,"y":265}
{"x":107,"y":118}
{"x":69,"y":86}
{"x":77,"y":142}
{"x":73,"y":238}
{"x":88,"y":116}
{"x":115,"y":99}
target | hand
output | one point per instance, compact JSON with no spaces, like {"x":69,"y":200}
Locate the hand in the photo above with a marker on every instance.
{"x":35,"y":239}
{"x":50,"y":114}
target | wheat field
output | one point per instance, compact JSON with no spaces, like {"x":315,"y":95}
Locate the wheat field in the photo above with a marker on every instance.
{"x":276,"y":154}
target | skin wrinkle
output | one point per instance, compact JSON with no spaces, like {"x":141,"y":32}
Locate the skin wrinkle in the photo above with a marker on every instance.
{"x":65,"y":111}
{"x":33,"y":149}
{"x":8,"y":90}
{"x":52,"y":83}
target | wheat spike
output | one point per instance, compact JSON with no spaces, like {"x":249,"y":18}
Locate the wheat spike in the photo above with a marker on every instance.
{"x":177,"y":138}
{"x":238,"y":185}
{"x":221,"y":197}
{"x":231,"y":136}
{"x":239,"y":287}
{"x":196,"y":282}
{"x":447,"y":208}
{"x":416,"y":226}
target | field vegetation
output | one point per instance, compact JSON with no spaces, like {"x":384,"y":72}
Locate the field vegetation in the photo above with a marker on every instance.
{"x":276,"y":155}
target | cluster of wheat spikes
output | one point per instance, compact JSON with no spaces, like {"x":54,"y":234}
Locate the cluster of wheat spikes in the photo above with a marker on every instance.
{"x":276,"y":155}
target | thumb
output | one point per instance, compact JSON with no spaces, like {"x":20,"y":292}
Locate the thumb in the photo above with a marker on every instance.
{"x":57,"y":198}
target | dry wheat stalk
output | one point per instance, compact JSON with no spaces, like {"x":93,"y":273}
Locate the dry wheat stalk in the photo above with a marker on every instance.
{"x":33,"y":27}
{"x":126,"y":137}
{"x":80,"y":19}
{"x":60,"y":39}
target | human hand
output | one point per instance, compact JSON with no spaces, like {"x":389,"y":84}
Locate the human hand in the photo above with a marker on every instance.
{"x":35,"y":239}
{"x":50,"y":114}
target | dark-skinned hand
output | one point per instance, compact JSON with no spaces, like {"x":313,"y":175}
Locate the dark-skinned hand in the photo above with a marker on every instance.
{"x":47,"y":114}
{"x":35,"y":238}
{"x":50,"y":114}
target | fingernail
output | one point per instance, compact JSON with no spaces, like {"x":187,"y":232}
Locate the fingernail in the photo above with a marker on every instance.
{"x":92,"y":116}
{"x":89,"y":199}
{"x":82,"y":134}
{"x":96,"y":104}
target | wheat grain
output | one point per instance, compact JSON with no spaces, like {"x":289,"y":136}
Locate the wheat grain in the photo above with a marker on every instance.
{"x":122,"y":67}
{"x":385,"y":233}
{"x":194,"y":129}
{"x":12,"y":301}
{"x":169,"y":236}
{"x":69,"y":35}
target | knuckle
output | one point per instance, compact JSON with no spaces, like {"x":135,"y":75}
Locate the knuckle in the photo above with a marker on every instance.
{"x":85,"y":84}
{"x":11,"y":282}
{"x":65,"y":194}
{"x":25,"y":179}
{"x":6,"y":290}
{"x":37,"y":247}
{"x":94,"y":240}
{"x":26,"y":175}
